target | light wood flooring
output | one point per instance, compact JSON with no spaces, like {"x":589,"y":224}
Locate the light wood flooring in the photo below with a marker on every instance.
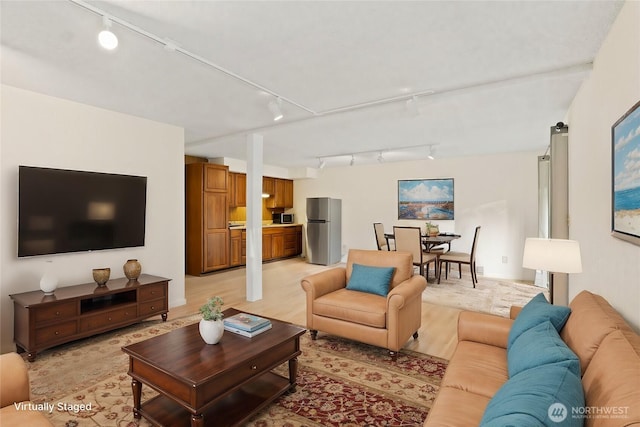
{"x":284,"y":299}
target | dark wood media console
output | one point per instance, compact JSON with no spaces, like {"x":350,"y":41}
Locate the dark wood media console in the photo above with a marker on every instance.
{"x":43,"y":321}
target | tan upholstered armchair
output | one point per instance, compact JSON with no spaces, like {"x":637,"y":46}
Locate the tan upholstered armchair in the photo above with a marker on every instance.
{"x":14,"y":389}
{"x":385,"y":321}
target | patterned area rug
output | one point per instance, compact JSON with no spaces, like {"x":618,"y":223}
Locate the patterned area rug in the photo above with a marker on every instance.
{"x":340,"y":383}
{"x":489,"y":296}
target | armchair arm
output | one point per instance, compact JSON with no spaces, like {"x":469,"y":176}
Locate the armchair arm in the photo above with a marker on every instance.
{"x":410,"y":288}
{"x":404,"y":311}
{"x":14,"y":384}
{"x":324,"y":282}
{"x":484,"y":328}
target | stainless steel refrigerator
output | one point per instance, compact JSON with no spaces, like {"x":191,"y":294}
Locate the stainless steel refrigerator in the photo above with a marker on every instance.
{"x":324,"y":230}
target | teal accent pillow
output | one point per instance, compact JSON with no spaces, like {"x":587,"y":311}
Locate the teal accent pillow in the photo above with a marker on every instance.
{"x":537,"y":311}
{"x":540,"y":345}
{"x":542,"y":396}
{"x":367,"y":278}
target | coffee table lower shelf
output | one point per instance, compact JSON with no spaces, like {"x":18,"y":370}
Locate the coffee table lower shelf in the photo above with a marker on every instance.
{"x":231,"y":410}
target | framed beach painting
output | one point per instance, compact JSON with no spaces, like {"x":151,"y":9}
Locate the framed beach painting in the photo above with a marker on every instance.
{"x":625,"y":185}
{"x":429,"y":199}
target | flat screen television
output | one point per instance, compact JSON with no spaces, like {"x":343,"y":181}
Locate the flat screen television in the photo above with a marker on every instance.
{"x":61,"y":211}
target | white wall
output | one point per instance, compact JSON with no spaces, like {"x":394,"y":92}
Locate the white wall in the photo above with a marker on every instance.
{"x":498,"y":192}
{"x":611,"y":267}
{"x":39,"y":130}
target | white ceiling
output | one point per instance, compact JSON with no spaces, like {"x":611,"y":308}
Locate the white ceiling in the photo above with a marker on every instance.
{"x":501,"y":72}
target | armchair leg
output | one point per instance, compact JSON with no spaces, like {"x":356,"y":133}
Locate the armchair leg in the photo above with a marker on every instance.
{"x":314,"y":334}
{"x":415,"y":335}
{"x":393,"y":355}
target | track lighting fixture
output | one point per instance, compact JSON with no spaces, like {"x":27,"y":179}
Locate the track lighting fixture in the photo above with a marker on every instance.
{"x":353,"y":160}
{"x":412,"y":106}
{"x":432,"y":153}
{"x":380,"y":158}
{"x":106,"y":38}
{"x":321,"y":163}
{"x":274,"y":107}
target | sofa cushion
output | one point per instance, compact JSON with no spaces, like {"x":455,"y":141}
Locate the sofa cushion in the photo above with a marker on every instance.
{"x":455,"y":407}
{"x":537,"y":311}
{"x":592,"y":319}
{"x":371,"y":279}
{"x":612,"y":383}
{"x":539,"y":396}
{"x":477,"y":368}
{"x":354,"y":307}
{"x":10,"y":416}
{"x":540,"y":345}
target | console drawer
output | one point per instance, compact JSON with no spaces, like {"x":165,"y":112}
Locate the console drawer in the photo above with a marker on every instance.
{"x":148,"y":308}
{"x":56,"y":332}
{"x":152,"y":292}
{"x":54,"y":312}
{"x":105,"y":319}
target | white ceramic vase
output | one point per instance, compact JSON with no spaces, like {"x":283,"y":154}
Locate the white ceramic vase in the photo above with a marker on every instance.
{"x":211,"y":330}
{"x":48,"y":281}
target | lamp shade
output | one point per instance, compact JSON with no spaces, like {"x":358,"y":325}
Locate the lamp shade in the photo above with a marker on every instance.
{"x":554,"y":255}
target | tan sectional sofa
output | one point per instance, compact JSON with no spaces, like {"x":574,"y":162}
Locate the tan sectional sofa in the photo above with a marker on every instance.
{"x":609,"y":360}
{"x":14,"y":394}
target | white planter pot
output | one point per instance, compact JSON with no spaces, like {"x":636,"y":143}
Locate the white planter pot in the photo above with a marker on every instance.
{"x":211,"y":330}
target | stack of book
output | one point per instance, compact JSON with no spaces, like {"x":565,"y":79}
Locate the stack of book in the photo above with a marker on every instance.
{"x":247,"y":325}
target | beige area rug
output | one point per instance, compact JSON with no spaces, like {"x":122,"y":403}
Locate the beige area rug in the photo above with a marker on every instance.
{"x":492,"y":296}
{"x":340,"y":383}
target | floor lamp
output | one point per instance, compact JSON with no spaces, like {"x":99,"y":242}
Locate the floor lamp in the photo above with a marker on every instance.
{"x":552,"y":255}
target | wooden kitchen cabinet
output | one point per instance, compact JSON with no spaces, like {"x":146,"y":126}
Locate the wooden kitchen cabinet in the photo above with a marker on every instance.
{"x":277,"y":242}
{"x":237,"y":190}
{"x":236,"y":248}
{"x":282,"y":195}
{"x":268,"y":185}
{"x":207,"y":217}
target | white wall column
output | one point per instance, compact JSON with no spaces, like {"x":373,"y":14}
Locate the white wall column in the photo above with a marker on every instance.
{"x":254,"y":217}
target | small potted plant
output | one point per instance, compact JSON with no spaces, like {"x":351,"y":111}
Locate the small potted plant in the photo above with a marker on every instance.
{"x":211,"y":325}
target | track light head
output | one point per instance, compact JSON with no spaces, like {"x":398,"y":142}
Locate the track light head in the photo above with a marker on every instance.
{"x":276,"y":111}
{"x":559,"y":126}
{"x":353,"y":160}
{"x":106,"y":38}
{"x":412,"y":106}
{"x":380,"y":158}
{"x":432,"y":152}
{"x":321,"y":163}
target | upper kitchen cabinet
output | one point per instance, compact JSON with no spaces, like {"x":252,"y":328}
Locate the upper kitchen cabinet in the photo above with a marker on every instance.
{"x":268,"y":185}
{"x":237,"y":190}
{"x":207,"y":217}
{"x":282,"y":195}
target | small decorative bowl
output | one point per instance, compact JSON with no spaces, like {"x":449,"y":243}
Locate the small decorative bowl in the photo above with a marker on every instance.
{"x":101,"y":275}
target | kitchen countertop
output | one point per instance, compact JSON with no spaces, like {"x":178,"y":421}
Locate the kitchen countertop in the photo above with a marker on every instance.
{"x":244,"y":227}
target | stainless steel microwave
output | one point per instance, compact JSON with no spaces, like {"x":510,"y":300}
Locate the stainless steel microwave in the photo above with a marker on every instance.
{"x":282,"y":218}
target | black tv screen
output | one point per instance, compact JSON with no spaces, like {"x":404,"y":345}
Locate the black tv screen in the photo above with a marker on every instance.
{"x":62,"y":211}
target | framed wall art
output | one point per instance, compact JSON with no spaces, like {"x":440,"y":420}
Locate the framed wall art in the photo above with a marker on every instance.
{"x":428,"y":199}
{"x":625,"y":179}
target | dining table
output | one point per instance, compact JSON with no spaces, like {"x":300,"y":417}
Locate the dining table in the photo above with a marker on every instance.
{"x":431,"y":242}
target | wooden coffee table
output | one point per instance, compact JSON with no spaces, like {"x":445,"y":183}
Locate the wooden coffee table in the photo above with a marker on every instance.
{"x":222,"y":384}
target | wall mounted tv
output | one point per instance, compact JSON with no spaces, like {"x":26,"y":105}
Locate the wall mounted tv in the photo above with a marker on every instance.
{"x":61,"y":211}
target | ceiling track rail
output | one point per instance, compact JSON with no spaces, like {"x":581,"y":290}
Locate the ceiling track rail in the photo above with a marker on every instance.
{"x":171,"y":45}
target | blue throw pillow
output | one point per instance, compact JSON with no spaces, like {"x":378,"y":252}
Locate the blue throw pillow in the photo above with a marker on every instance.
{"x":374,"y":280}
{"x":542,"y":396}
{"x":538,"y":346}
{"x":537,"y":311}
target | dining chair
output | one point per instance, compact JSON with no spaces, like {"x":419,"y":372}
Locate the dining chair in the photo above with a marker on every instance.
{"x":381,"y":241}
{"x":461,"y":258}
{"x":409,"y":239}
